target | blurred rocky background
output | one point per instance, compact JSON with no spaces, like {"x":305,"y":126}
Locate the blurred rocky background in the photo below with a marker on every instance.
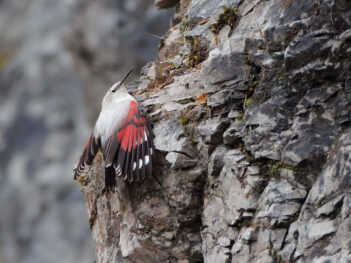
{"x":57,"y":59}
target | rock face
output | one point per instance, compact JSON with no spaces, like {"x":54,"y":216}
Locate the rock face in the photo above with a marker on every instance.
{"x":57,"y":58}
{"x":258,"y":94}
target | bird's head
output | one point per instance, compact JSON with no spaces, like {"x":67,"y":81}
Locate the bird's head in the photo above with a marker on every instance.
{"x":116,"y":89}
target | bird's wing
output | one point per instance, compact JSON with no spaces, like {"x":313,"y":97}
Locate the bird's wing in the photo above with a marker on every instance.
{"x":88,"y":155}
{"x":130,"y":148}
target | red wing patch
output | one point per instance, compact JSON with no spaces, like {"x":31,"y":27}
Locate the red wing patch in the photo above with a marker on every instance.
{"x":130,"y":149}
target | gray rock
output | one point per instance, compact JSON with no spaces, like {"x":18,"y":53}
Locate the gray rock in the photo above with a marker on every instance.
{"x":223,"y":97}
{"x":222,"y":68}
{"x":217,"y":161}
{"x":205,"y":9}
{"x":233,"y":114}
{"x":328,"y":198}
{"x":212,"y":129}
{"x":232,"y":134}
{"x":177,"y":61}
{"x":278,"y":96}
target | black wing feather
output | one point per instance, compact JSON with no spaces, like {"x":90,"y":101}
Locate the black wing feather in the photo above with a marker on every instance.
{"x":127,"y":149}
{"x":88,"y":155}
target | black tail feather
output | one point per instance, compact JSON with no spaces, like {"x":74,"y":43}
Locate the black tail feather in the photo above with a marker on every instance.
{"x":110,"y":177}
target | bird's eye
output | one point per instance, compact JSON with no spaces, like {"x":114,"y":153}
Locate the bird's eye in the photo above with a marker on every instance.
{"x":113,"y":90}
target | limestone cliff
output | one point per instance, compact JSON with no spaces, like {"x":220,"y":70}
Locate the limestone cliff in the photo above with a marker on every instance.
{"x":258,"y":94}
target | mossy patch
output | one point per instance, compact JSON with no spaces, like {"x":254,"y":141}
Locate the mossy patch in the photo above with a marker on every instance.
{"x":274,"y":254}
{"x":187,"y":126}
{"x":227,"y":17}
{"x":183,"y":120}
{"x":274,"y":169}
{"x":246,"y":60}
{"x":254,"y":78}
{"x":248,"y":101}
{"x":198,"y":53}
{"x":240,"y":117}
{"x":281,"y":75}
{"x":83,"y":180}
{"x":253,"y":81}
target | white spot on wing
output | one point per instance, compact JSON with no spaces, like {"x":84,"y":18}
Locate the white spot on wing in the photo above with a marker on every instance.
{"x":145,"y":136}
{"x":118,"y":170}
{"x":151,"y":151}
{"x":134,"y":166}
{"x":140,"y":163}
{"x":146,"y":159}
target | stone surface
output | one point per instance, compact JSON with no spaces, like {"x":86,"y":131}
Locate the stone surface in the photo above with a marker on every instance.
{"x":258,"y":94}
{"x":211,"y":130}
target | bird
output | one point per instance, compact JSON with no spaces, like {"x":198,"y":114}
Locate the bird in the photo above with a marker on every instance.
{"x":123,"y":135}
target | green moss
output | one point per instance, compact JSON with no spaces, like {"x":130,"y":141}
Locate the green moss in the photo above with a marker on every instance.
{"x":183,"y":120}
{"x":240,"y":117}
{"x":274,"y":169}
{"x":198,"y":53}
{"x":248,"y":101}
{"x":246,"y":59}
{"x":249,"y":156}
{"x":187,"y":86}
{"x":289,"y":167}
{"x":83,"y":180}
{"x":227,"y":17}
{"x":253,"y":79}
{"x":192,"y":139}
{"x":281,"y":75}
{"x":276,"y":258}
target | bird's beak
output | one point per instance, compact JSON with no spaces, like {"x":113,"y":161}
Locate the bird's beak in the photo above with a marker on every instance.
{"x":125,"y":78}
